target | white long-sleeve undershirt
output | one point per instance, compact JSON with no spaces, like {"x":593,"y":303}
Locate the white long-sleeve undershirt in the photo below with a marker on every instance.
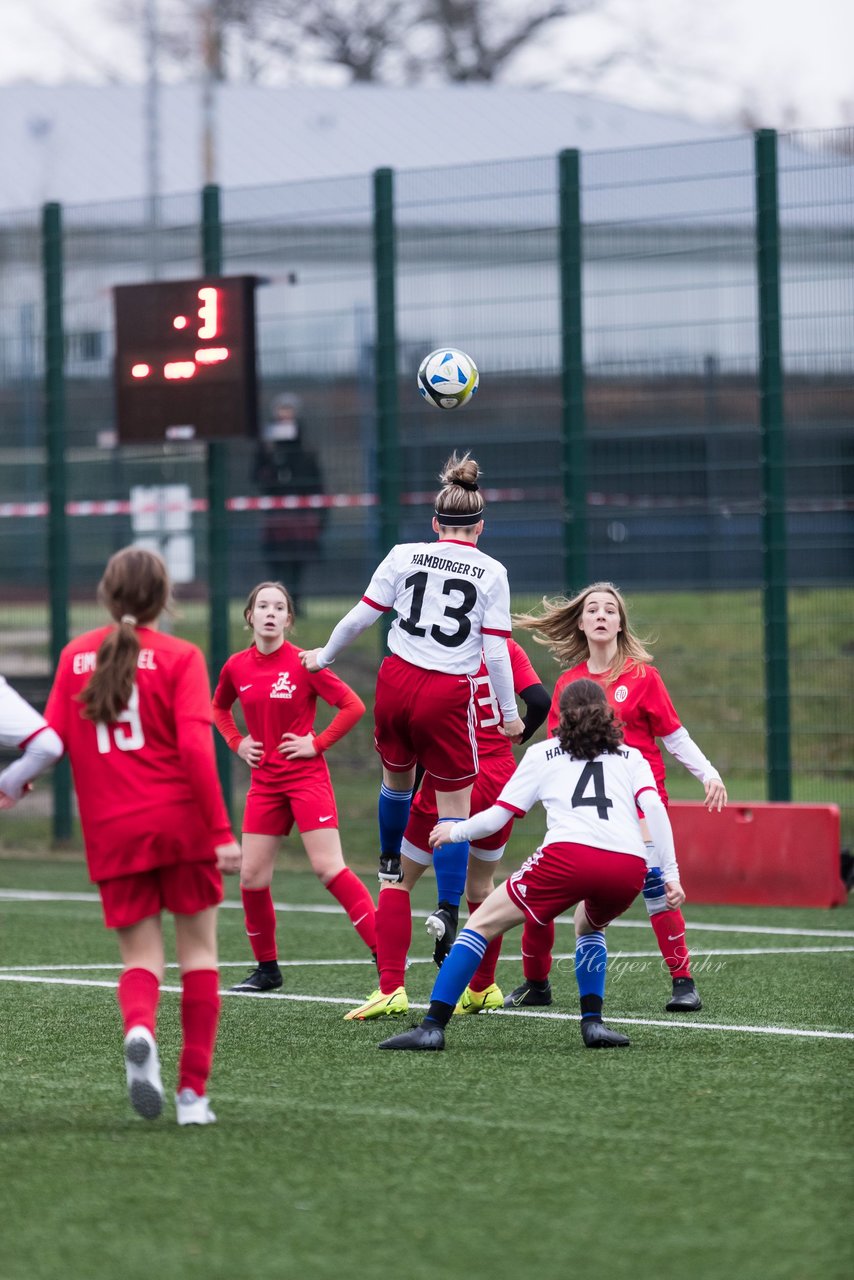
{"x":684,"y":749}
{"x":661,"y":833}
{"x":500,"y":670}
{"x":481,"y":825}
{"x":39,"y":754}
{"x":351,"y":626}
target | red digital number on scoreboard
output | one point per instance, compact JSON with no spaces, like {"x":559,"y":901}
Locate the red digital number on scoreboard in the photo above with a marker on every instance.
{"x":185,"y":359}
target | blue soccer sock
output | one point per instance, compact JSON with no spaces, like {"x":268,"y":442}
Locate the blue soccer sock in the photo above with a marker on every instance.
{"x":591,"y":963}
{"x":455,"y":975}
{"x":450,"y":863}
{"x":393,"y":815}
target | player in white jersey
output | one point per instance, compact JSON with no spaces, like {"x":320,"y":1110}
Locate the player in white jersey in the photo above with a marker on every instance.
{"x":22,"y":726}
{"x":453,"y":607}
{"x":593,"y":855}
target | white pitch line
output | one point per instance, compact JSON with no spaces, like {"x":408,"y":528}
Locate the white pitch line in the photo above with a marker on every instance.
{"x":680,"y":1025}
{"x":321,"y":908}
{"x":428,"y":960}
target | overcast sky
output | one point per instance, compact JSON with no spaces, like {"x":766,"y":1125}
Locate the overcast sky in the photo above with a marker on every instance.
{"x":791,"y":65}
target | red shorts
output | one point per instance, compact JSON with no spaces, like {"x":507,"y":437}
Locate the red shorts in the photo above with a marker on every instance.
{"x":184,"y":888}
{"x":310,"y":803}
{"x":423,"y":815}
{"x":429,"y":717}
{"x":558,"y":876}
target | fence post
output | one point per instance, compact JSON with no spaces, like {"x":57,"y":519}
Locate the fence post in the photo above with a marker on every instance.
{"x":217,"y":494}
{"x":385,"y":369}
{"x":573,"y":424}
{"x":55,"y":433}
{"x":772,"y":423}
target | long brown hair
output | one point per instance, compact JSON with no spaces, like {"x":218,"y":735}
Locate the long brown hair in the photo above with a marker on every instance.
{"x":459,"y":504}
{"x":557,"y":627}
{"x":588,"y":727}
{"x":135,"y":589}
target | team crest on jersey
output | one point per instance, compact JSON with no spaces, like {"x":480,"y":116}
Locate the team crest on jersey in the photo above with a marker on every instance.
{"x":283,"y":688}
{"x":620,"y":693}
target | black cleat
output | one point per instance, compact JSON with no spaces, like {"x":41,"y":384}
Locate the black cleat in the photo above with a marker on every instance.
{"x":597,"y":1036}
{"x":418,"y":1037}
{"x":259,"y":981}
{"x":527,"y":995}
{"x":442,"y":927}
{"x":390,"y":871}
{"x":685,"y":999}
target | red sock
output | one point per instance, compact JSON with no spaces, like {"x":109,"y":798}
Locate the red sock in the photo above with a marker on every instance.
{"x":199,"y":1016}
{"x":138,"y":993}
{"x":356,"y":900}
{"x":484,"y":974}
{"x":394,"y":934}
{"x":669,"y":929}
{"x":260,"y":916}
{"x":538,"y":942}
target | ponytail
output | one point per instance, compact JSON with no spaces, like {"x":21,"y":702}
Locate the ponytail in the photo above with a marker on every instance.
{"x":135,"y":589}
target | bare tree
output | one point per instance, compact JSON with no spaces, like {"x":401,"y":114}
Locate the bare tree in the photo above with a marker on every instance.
{"x":371,"y":41}
{"x":477,"y":38}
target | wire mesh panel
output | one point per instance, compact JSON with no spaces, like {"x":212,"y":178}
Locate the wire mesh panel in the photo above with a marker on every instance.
{"x":310,"y":244}
{"x":816,"y":182}
{"x":477,"y":269}
{"x":673,"y":441}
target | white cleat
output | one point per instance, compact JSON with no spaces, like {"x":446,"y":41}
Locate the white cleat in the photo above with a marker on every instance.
{"x":142,"y":1067}
{"x":193,"y":1109}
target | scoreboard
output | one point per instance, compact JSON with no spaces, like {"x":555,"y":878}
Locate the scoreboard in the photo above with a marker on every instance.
{"x":185,"y":366}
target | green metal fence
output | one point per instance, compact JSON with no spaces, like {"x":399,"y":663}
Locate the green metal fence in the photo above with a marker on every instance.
{"x":667,"y":393}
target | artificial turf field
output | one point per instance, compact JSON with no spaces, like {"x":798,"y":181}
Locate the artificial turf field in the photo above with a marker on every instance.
{"x":710,"y":1148}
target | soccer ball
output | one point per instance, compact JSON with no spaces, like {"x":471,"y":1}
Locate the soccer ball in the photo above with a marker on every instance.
{"x":447,"y":378}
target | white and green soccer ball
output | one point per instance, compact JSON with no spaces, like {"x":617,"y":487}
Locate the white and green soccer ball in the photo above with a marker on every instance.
{"x":448,"y":378}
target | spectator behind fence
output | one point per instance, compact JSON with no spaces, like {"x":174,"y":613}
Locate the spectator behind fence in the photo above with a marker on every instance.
{"x":284,"y":467}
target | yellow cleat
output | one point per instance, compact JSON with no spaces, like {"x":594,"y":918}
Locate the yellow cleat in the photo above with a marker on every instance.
{"x":480,"y":1001}
{"x":378,"y":1005}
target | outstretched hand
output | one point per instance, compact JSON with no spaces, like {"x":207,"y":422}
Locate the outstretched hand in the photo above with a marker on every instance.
{"x":513,"y":729}
{"x":308,"y":658}
{"x":6,"y":802}
{"x":441,"y":834}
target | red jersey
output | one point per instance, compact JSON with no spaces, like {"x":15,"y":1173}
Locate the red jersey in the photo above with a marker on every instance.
{"x":642,"y":704}
{"x":487,"y":712}
{"x":277,"y":695}
{"x":147,"y":785}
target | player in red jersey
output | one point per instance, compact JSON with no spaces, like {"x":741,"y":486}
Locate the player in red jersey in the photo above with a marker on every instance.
{"x":132,"y":707}
{"x":453,"y":612}
{"x":591,"y":635}
{"x":22,"y":726}
{"x":394,"y":914}
{"x":290,"y":778}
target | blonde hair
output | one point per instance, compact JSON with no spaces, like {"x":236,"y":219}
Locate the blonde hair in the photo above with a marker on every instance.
{"x":459,"y":504}
{"x":557,"y":627}
{"x":255,"y":593}
{"x":135,"y":589}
